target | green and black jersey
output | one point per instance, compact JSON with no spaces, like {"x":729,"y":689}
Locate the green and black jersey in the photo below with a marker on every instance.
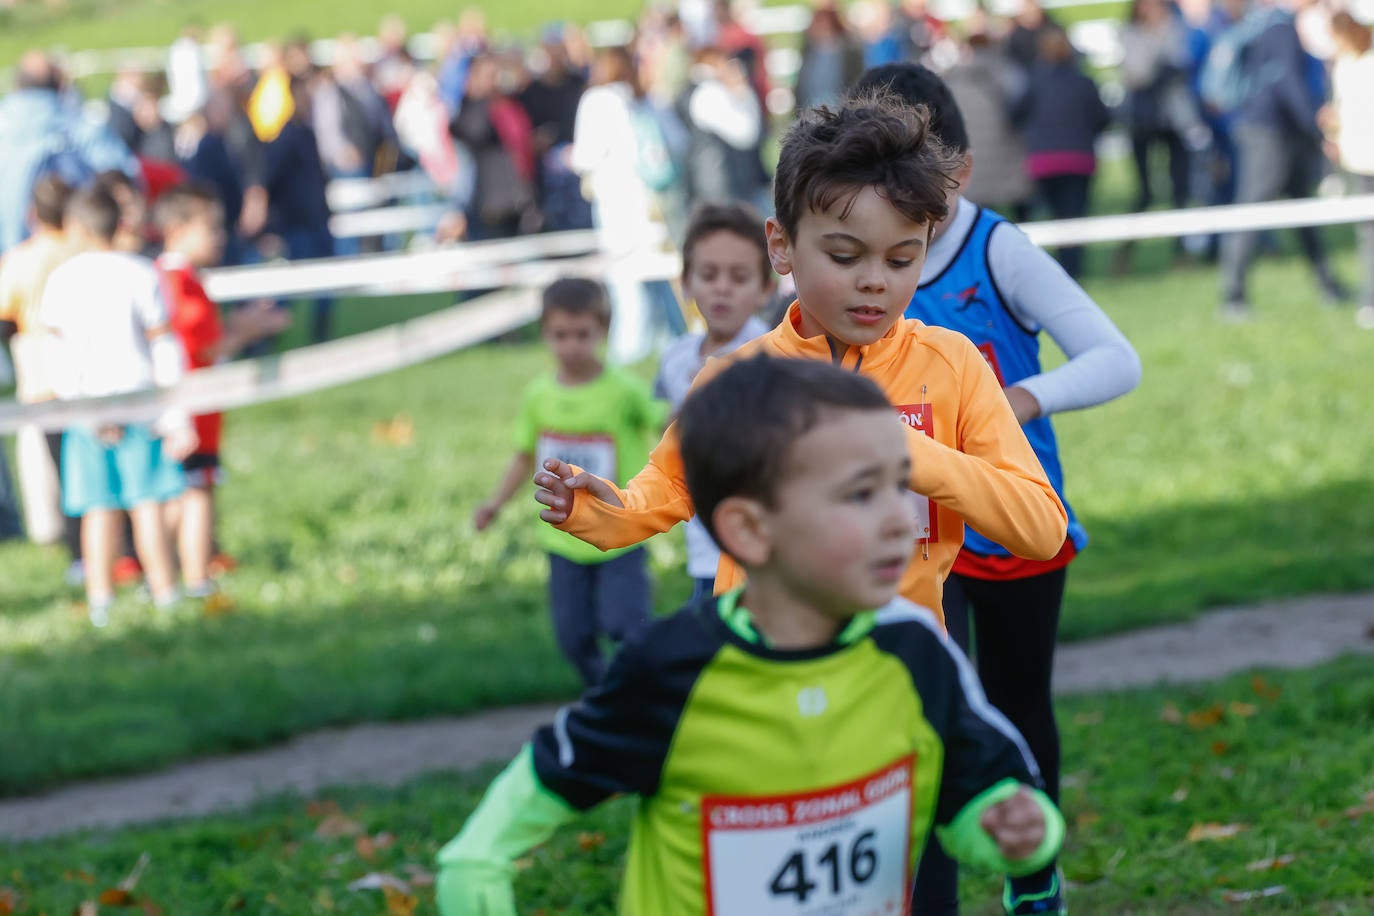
{"x":771,"y":782}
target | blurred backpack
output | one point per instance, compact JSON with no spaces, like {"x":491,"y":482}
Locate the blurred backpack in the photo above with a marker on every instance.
{"x":1229,"y":74}
{"x":61,"y":159}
{"x":658,"y":161}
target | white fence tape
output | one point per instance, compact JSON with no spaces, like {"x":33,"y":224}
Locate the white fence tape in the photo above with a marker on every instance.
{"x":483,"y":264}
{"x":297,"y":372}
{"x":1162,"y":224}
{"x":386,"y":220}
{"x":450,"y":268}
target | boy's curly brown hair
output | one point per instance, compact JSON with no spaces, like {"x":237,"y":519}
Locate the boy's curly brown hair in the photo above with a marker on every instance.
{"x":872,"y":139}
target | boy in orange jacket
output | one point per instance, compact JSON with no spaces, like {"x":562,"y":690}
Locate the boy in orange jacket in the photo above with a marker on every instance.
{"x":858,"y":191}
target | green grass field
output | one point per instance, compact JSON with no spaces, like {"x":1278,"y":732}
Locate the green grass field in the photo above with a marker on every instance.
{"x":1237,"y":472}
{"x":1283,"y":760}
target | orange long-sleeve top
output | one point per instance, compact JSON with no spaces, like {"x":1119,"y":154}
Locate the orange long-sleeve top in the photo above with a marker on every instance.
{"x":971,"y":462}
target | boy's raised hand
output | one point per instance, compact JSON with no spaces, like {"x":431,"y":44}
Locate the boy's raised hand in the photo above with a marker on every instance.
{"x":1017,"y":824}
{"x":554,"y":488}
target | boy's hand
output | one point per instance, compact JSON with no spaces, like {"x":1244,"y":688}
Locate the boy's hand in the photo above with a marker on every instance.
{"x":1023,"y":404}
{"x":484,"y":515}
{"x":257,"y":320}
{"x":179,"y":444}
{"x":1017,"y":824}
{"x":555,"y":489}
{"x":461,"y":891}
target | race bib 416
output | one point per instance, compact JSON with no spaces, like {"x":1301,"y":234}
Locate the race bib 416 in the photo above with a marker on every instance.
{"x":839,"y":851}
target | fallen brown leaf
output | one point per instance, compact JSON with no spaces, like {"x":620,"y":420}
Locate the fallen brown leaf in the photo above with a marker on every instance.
{"x":399,"y":430}
{"x":81,"y":876}
{"x":150,"y":909}
{"x":589,"y":841}
{"x":1213,"y":831}
{"x":1246,"y":896}
{"x":1272,"y":864}
{"x":1264,"y":689}
{"x":337,"y":825}
{"x":1206,"y":717}
{"x":1170,"y":713}
{"x":321,"y":808}
{"x":9,"y":900}
{"x":379,"y":880}
{"x":116,"y":896}
{"x":419,"y":877}
{"x":365,"y":847}
{"x":1220,"y":747}
{"x":1360,"y":810}
{"x":398,"y":903}
{"x":217,"y":605}
{"x":1086,"y":819}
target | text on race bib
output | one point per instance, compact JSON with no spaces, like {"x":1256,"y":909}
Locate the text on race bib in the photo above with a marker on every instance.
{"x":839,"y":851}
{"x":594,"y":453}
{"x":921,"y":417}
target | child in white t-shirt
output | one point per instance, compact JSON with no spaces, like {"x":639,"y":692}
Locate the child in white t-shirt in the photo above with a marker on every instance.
{"x":109,"y":334}
{"x":726,"y":272}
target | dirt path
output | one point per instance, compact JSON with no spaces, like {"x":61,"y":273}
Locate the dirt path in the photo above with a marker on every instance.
{"x":1290,"y":634}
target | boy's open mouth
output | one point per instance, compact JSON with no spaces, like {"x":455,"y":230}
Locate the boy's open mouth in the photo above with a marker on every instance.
{"x":867,"y":314}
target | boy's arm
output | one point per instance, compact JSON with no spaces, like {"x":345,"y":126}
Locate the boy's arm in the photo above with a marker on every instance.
{"x":992,"y":478}
{"x":516,"y":814}
{"x":517,"y":475}
{"x":611,"y":742}
{"x":653,"y":502}
{"x":991,"y":812}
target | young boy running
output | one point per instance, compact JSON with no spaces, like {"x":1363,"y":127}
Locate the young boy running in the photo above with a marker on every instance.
{"x":191,"y":221}
{"x":791,"y":743}
{"x":858,"y":192}
{"x":988,"y":281}
{"x":598,"y":417}
{"x":108,"y":334}
{"x":726,"y":272}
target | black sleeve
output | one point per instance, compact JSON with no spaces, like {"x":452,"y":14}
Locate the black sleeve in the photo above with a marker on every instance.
{"x":614,"y":740}
{"x":981,"y":747}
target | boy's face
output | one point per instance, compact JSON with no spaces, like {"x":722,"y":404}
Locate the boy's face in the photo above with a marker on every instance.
{"x":200,"y":239}
{"x":841,"y":529}
{"x":725,"y":282}
{"x":574,"y":339}
{"x":855,"y":276}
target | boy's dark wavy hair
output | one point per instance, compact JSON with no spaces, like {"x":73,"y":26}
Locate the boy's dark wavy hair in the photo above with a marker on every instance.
{"x":872,"y":139}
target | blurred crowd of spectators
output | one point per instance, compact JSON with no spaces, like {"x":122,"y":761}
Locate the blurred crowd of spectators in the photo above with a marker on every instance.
{"x":1220,"y":100}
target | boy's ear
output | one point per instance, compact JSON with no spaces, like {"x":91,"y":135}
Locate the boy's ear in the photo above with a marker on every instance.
{"x":779,"y":247}
{"x":743,"y":531}
{"x":962,"y":173}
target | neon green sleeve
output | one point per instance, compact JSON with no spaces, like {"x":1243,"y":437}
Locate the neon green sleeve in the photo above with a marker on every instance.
{"x":966,"y":840}
{"x":516,"y":814}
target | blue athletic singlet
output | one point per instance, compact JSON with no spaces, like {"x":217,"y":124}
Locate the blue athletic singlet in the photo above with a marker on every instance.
{"x":965,"y":298}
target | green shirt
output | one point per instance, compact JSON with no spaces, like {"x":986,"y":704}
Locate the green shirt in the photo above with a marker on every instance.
{"x":604,"y":426}
{"x":770,"y":782}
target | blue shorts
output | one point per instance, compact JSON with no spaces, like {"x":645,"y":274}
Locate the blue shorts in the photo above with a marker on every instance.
{"x":130,"y":473}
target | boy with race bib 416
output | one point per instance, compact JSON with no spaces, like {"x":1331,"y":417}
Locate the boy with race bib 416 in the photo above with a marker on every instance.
{"x":792,"y":742}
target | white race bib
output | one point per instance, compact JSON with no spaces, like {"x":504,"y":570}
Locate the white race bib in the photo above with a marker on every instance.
{"x":921,"y":417}
{"x":594,"y":453}
{"x":840,"y":851}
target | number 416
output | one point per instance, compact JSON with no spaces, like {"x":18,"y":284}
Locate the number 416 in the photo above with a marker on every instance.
{"x":792,"y":878}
